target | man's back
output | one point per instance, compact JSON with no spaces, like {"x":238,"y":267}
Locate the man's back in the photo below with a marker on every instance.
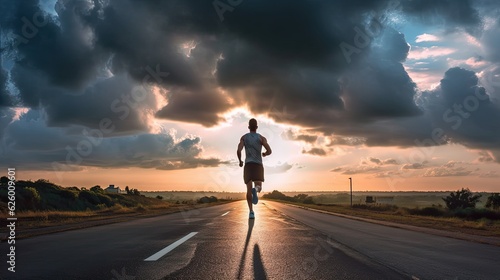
{"x":253,"y":147}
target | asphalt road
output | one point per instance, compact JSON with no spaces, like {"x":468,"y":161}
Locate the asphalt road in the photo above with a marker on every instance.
{"x":420,"y":255}
{"x":220,"y":242}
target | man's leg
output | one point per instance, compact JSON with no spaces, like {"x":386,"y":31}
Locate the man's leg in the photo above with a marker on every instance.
{"x":249,"y":195}
{"x":258,"y":185}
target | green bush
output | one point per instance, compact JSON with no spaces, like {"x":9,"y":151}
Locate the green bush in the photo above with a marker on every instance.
{"x":276,"y":195}
{"x":461,"y":199}
{"x":493,"y":201}
{"x":90,"y":197}
{"x":207,"y":199}
{"x":308,"y":200}
{"x":31,"y":196}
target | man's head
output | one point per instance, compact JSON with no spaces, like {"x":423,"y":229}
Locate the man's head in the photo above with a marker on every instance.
{"x":252,"y":125}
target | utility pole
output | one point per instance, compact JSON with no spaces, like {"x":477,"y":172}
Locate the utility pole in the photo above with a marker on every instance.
{"x":350,"y":183}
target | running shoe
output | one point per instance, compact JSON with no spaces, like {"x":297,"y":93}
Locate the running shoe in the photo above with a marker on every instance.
{"x":252,"y":215}
{"x":255,"y":198}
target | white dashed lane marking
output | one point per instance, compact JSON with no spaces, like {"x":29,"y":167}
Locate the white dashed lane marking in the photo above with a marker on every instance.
{"x":225,"y":214}
{"x":169,"y":248}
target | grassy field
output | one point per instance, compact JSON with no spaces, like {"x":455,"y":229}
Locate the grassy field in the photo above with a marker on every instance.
{"x":482,"y":227}
{"x":30,"y":220}
{"x":43,"y":207}
{"x":180,"y":196}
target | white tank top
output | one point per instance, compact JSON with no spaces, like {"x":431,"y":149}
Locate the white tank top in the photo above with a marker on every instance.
{"x":253,"y":147}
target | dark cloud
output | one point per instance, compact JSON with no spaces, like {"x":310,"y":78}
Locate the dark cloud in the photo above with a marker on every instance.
{"x":111,"y":60}
{"x":267,"y":56}
{"x":450,"y":13}
{"x":289,"y":134}
{"x":415,"y":165}
{"x":6,"y":117}
{"x":346,"y":141}
{"x":491,"y":41}
{"x":28,"y":142}
{"x":365,"y":87}
{"x":199,"y":107}
{"x":315,"y":151}
{"x":5,"y":99}
{"x":378,"y":161}
{"x":118,"y":99}
{"x":62,"y":49}
{"x":462,"y":110}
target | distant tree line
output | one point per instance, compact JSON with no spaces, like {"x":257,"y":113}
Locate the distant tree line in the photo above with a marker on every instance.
{"x":207,"y":199}
{"x":464,"y":198}
{"x":301,"y":198}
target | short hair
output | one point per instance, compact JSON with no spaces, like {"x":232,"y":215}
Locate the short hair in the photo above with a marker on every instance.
{"x":252,"y":124}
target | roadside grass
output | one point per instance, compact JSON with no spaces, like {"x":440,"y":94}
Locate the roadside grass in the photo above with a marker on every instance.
{"x":30,"y":220}
{"x":42,"y":206}
{"x":390,"y":213}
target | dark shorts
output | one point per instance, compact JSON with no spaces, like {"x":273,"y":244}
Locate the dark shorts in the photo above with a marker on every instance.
{"x":253,"y":172}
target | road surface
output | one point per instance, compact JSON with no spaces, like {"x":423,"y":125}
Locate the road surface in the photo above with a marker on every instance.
{"x":220,"y":242}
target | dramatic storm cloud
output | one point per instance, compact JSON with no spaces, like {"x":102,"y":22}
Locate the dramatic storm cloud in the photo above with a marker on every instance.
{"x":28,"y":142}
{"x":462,"y":111}
{"x":334,"y":68}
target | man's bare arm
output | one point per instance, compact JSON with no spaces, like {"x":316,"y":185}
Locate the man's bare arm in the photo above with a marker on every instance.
{"x":266,"y":145}
{"x":238,"y":152}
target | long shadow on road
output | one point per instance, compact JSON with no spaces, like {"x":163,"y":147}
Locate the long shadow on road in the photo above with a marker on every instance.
{"x":259,"y":272}
{"x":241,"y":270}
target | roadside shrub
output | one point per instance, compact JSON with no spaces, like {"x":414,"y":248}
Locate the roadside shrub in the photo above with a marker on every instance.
{"x":67,"y":194}
{"x":89,"y":196}
{"x":476,"y":214}
{"x":308,"y":200}
{"x":207,"y":199}
{"x":493,"y":201}
{"x":31,"y":198}
{"x":276,"y":195}
{"x":427,"y":211}
{"x":461,"y":199}
{"x":97,"y":189}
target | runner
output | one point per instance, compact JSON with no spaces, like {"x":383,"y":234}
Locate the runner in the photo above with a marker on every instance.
{"x":254,"y":170}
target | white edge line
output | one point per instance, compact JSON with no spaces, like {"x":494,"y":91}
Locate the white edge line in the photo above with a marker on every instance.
{"x":169,"y":248}
{"x":225,"y":214}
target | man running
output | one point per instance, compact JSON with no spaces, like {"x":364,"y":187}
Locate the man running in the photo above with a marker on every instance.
{"x":254,"y":170}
